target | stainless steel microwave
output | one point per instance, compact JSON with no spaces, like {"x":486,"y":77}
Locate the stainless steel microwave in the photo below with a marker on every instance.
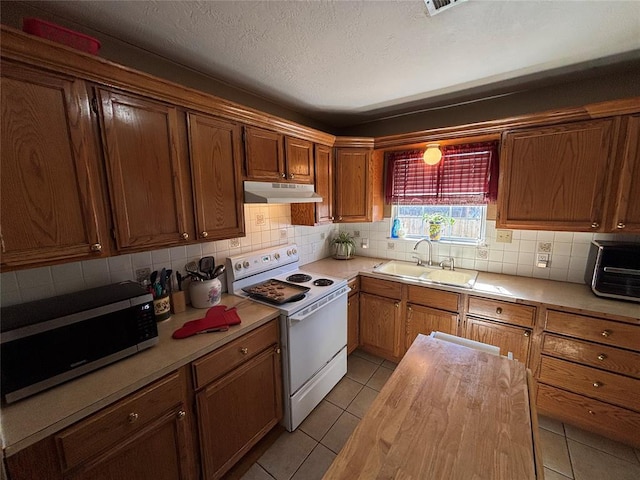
{"x":613,"y":269}
{"x":50,"y":341}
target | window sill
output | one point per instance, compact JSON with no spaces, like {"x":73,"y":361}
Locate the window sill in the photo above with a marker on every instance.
{"x":469,"y":243}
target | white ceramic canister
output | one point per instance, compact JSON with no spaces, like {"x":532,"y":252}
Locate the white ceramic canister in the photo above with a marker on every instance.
{"x":206,"y":293}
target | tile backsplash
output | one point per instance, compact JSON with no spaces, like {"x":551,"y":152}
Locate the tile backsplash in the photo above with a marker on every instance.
{"x":266,"y":226}
{"x":269,"y":225}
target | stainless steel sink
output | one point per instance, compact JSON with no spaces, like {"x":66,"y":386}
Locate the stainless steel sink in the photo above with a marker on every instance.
{"x":422,"y":273}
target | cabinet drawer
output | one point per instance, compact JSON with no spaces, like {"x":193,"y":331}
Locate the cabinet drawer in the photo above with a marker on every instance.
{"x":503,"y":311}
{"x":595,"y":329}
{"x":382,"y":288}
{"x":118,"y":422}
{"x":226,"y":358}
{"x":609,"y":420}
{"x":354,"y":285}
{"x":430,"y":297}
{"x":605,"y":386}
{"x":599,"y":356}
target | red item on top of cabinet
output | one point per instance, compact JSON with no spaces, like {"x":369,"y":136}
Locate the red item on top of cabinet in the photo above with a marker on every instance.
{"x":57,"y":33}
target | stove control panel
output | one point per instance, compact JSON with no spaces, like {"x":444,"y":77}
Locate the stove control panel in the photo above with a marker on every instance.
{"x":251,"y":263}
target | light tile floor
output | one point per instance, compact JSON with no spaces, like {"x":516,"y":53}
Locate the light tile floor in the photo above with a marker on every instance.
{"x":305,"y":454}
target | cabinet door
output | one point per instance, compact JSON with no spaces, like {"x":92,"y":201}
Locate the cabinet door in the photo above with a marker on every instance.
{"x":627,"y":207}
{"x":236,"y":411}
{"x":51,"y":195}
{"x":353,"y":322}
{"x":156,"y":453}
{"x":425,"y":320}
{"x":321,"y":212}
{"x":353,"y":185}
{"x":144,"y":150}
{"x":215,"y":151}
{"x":510,"y":339}
{"x":380,"y":326}
{"x":555,"y":178}
{"x":299,"y":160}
{"x":264,"y":154}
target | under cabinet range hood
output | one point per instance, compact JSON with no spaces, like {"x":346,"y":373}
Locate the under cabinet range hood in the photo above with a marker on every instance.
{"x":267,"y":192}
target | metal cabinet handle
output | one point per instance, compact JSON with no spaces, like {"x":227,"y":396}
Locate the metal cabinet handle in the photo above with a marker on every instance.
{"x":277,"y":350}
{"x":185,"y":236}
{"x":291,"y":175}
{"x":204,"y":234}
{"x":339,"y":218}
{"x":620,"y":225}
{"x":597,"y":384}
{"x":181,"y":414}
{"x":499,"y":310}
{"x":606,"y":333}
{"x":527,"y":333}
{"x":591,"y":412}
{"x":244,"y":350}
{"x":96,"y":247}
{"x":595,"y":225}
{"x":133,"y":417}
{"x":602,"y":356}
{"x":283,"y":175}
{"x":397,"y":305}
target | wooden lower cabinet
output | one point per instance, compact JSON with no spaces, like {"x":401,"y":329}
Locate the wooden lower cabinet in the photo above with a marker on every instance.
{"x":509,"y":338}
{"x":426,"y":320}
{"x":238,"y":409}
{"x":381,"y":326}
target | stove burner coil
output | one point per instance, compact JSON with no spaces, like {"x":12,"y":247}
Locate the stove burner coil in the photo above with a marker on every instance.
{"x":322,"y":282}
{"x":299,"y":278}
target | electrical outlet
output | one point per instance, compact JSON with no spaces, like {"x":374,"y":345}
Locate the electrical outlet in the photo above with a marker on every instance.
{"x":323,"y":236}
{"x":356,"y":233}
{"x":283,"y":233}
{"x":391,"y":245}
{"x":482,"y":253}
{"x":542,"y":260}
{"x":260,"y":220}
{"x":544,"y":247}
{"x":142,"y":274}
{"x":504,"y":236}
{"x":234,"y":243}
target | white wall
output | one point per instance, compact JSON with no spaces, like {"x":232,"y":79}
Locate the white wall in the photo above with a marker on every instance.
{"x":568,"y":250}
{"x":266,"y":225}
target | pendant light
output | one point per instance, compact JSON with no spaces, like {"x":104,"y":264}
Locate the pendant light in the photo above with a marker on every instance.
{"x":432,"y":155}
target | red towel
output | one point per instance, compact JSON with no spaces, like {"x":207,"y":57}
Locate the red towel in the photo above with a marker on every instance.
{"x":217,"y":318}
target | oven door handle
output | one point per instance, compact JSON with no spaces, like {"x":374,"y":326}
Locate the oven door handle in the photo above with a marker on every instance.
{"x":623,"y":271}
{"x":323,"y":302}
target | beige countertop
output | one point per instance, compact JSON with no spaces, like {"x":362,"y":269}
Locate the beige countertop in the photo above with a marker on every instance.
{"x":429,"y":417}
{"x":497,"y":286}
{"x":32,"y":419}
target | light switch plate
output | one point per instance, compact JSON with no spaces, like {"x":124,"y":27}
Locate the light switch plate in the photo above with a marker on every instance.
{"x":504,"y":236}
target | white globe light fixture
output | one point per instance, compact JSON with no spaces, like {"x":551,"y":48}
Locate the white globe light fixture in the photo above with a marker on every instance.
{"x":432,"y":155}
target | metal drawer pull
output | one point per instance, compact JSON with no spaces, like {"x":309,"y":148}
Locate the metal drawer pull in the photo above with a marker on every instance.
{"x":606,"y":333}
{"x":181,"y":414}
{"x":499,"y":310}
{"x":527,"y":333}
{"x":244,"y":350}
{"x":602,"y":356}
{"x":595,"y":225}
{"x":133,"y":417}
{"x":620,"y":225}
{"x":591,"y":412}
{"x":597,"y":384}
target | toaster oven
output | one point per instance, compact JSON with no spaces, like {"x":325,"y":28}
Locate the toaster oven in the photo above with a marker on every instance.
{"x":613,"y":269}
{"x":50,"y":341}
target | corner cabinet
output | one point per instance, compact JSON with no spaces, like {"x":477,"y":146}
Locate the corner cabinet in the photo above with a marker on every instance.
{"x":51,"y":186}
{"x":626,"y":215}
{"x":557,"y":177}
{"x":359,"y":189}
{"x":275,"y":157}
{"x":145,"y":153}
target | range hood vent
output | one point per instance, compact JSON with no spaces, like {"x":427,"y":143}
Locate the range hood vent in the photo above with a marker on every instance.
{"x":267,"y":192}
{"x":437,"y":6}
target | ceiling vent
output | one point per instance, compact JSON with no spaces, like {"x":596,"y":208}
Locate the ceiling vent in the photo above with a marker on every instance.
{"x":437,"y":6}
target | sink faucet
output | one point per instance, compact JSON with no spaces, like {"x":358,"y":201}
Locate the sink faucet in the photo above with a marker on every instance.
{"x":429,"y":261}
{"x":449,"y":262}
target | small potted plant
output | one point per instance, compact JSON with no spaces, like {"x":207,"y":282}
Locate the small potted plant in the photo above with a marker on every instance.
{"x":436,"y":221}
{"x":343,"y":246}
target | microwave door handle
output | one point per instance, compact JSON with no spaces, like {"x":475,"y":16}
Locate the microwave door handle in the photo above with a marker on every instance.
{"x":622,"y":271}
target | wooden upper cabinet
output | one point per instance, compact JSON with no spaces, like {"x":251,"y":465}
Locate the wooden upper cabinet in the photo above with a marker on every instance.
{"x":264,"y":154}
{"x":321,"y":212}
{"x":299,"y":160}
{"x":358,"y":180}
{"x":556,"y":178}
{"x":51,"y":187}
{"x":215,"y":152}
{"x":626,"y":216}
{"x":145,"y":150}
{"x":272,"y":156}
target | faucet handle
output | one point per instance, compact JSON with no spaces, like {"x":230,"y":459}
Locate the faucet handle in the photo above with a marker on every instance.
{"x":449,"y":262}
{"x":418,"y":259}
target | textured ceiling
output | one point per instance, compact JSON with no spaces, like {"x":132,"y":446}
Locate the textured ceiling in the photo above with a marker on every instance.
{"x":367,"y":58}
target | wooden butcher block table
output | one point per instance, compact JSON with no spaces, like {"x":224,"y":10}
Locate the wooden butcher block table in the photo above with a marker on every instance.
{"x":447,"y":412}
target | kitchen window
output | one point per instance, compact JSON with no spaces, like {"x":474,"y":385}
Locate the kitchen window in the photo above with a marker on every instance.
{"x":459,"y":187}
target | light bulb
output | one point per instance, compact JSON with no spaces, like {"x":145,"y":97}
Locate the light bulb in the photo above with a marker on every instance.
{"x":432,"y":155}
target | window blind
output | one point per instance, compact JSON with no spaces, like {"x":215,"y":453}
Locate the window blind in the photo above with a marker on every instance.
{"x":467,"y":174}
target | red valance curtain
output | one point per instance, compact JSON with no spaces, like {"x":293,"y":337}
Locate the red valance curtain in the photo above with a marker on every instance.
{"x":467,"y":174}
